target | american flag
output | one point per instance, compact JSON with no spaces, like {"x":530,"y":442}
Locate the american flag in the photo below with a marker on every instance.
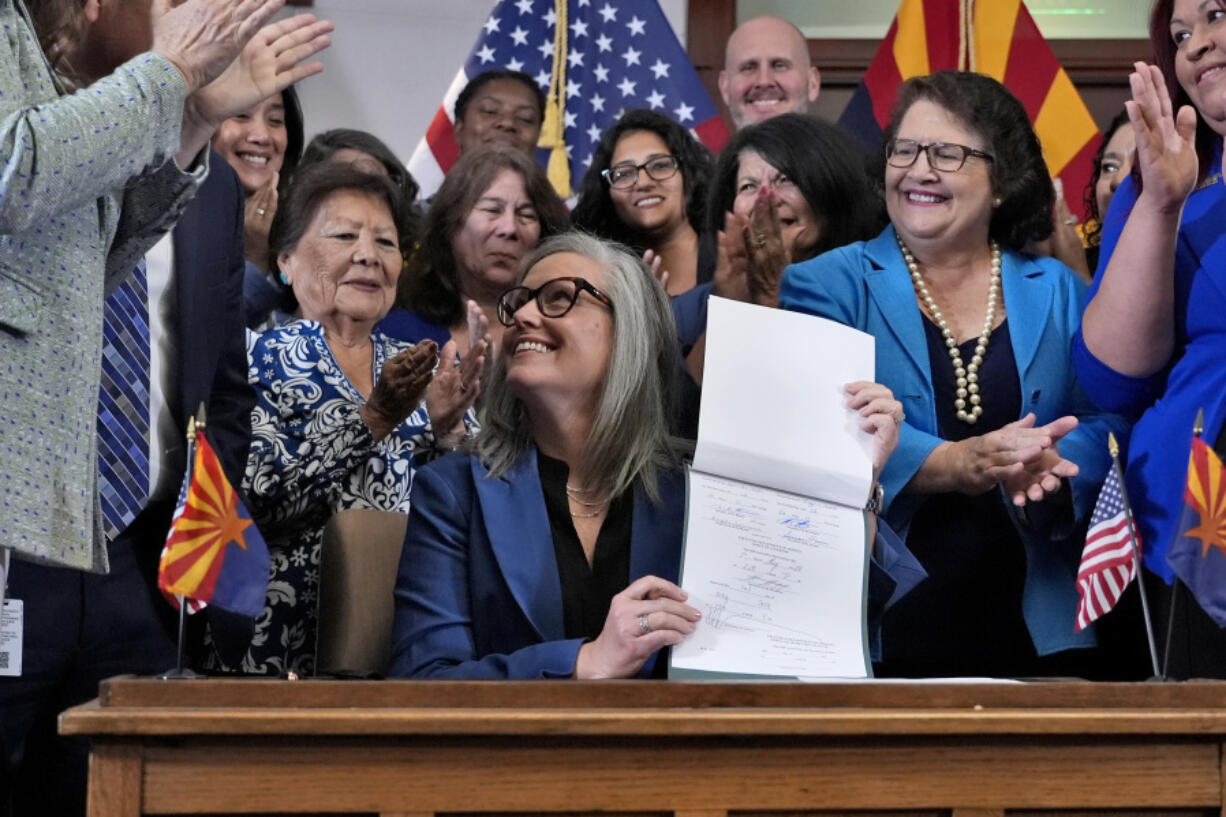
{"x":1107,"y":563}
{"x":621,"y":55}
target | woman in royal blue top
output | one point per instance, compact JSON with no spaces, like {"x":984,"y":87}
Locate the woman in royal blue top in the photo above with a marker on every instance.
{"x":1153,"y":339}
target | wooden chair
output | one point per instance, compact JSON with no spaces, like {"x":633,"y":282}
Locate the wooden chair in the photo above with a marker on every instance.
{"x":361,"y":554}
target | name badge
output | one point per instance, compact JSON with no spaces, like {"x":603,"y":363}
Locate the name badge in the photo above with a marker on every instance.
{"x":12,"y":612}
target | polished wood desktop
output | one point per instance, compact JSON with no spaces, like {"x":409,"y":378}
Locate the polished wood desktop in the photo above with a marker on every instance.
{"x":689,"y":749}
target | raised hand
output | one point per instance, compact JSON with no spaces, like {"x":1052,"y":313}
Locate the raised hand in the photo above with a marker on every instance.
{"x":1043,"y":475}
{"x":768,"y":253}
{"x":272,"y":60}
{"x":402,"y":382}
{"x":257,"y":220}
{"x":649,"y":614}
{"x":1166,"y":141}
{"x":202,"y":37}
{"x":881,"y":415}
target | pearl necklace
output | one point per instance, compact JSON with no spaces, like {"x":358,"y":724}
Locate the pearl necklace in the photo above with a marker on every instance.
{"x":967,"y":400}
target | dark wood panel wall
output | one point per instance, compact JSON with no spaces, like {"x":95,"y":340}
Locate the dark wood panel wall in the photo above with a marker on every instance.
{"x":1099,"y":68}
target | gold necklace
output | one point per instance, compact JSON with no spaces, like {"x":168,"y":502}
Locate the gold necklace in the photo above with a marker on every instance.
{"x":967,"y":399}
{"x":574,"y":495}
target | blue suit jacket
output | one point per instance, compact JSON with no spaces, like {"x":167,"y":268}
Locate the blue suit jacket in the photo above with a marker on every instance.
{"x":866,"y":285}
{"x":478,"y":593}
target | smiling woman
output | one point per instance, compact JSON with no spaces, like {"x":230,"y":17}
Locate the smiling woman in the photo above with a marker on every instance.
{"x":342,"y":410}
{"x":647,"y":188}
{"x":492,"y":209}
{"x":1000,"y":455}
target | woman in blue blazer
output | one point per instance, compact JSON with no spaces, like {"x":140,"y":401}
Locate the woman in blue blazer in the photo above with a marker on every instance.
{"x":552,"y":550}
{"x":1001,"y":451}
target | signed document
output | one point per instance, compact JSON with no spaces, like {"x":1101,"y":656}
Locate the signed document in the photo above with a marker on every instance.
{"x":776,"y":551}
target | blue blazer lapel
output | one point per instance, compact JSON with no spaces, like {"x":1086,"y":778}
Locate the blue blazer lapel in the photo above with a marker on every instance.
{"x":656,"y":531}
{"x":513,"y":509}
{"x":1028,"y":296}
{"x":889,"y":285}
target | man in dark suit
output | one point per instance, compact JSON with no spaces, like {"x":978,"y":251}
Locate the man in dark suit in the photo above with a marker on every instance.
{"x":80,"y":627}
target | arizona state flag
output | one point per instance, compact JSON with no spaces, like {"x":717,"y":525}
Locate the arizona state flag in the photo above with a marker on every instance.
{"x":993,"y":37}
{"x":214,"y":553}
{"x":1198,"y":554}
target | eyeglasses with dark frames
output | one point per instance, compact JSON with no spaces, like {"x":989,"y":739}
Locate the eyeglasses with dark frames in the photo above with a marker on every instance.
{"x":554,"y":298}
{"x":625,"y":174}
{"x":944,"y":156}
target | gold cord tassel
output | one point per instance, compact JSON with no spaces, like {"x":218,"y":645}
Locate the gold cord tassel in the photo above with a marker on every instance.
{"x":553,"y":130}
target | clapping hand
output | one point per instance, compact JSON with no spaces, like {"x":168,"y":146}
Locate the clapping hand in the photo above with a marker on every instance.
{"x":654,"y":263}
{"x":257,"y":221}
{"x":767,"y":252}
{"x":456,"y":388}
{"x":1020,"y":455}
{"x":1044,"y":474}
{"x":402,"y":381}
{"x":1166,"y":141}
{"x":649,"y":614}
{"x":731,"y":277}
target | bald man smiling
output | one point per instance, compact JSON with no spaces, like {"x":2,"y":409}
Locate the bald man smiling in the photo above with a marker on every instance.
{"x":767,"y":71}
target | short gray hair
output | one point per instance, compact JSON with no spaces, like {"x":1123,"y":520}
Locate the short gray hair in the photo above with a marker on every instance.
{"x":630,"y":438}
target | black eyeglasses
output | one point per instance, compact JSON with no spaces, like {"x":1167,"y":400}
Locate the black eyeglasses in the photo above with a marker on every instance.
{"x":941,"y":155}
{"x":626,"y":174}
{"x":553,"y":298}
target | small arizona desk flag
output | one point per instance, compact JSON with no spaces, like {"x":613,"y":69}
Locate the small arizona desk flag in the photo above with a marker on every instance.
{"x":214,"y":553}
{"x":993,"y":37}
{"x":1198,"y":554}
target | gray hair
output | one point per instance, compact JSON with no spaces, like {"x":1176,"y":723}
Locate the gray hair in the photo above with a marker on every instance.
{"x":629,"y":439}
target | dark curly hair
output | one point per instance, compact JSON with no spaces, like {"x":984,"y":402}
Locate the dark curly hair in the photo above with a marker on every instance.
{"x":430,"y":286}
{"x":595,"y":212}
{"x":1164,"y":57}
{"x":1094,"y":219}
{"x":1019,"y":176}
{"x":481,"y":80}
{"x":822,"y":161}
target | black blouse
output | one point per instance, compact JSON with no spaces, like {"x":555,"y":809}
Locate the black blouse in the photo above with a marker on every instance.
{"x":966,"y":618}
{"x":587,"y":590}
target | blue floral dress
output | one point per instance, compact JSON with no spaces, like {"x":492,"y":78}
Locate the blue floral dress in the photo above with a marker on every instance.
{"x":311,"y":456}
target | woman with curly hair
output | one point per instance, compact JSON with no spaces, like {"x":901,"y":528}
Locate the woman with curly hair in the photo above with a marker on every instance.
{"x":647,"y":188}
{"x":1000,"y":452}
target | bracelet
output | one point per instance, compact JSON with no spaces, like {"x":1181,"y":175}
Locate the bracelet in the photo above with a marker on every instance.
{"x":876,"y":499}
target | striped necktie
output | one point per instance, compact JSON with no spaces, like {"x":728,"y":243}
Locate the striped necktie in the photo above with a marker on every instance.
{"x":123,"y":405}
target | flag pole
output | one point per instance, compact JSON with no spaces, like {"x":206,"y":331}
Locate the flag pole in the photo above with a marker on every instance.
{"x":1198,"y":428}
{"x":180,"y":672}
{"x":1113,"y":446}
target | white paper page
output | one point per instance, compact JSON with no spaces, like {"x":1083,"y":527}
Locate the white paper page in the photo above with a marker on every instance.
{"x":779,"y":579}
{"x":773,"y":409}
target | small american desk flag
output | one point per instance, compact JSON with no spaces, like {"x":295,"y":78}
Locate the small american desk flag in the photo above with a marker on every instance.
{"x":1107,"y":563}
{"x":620,"y":55}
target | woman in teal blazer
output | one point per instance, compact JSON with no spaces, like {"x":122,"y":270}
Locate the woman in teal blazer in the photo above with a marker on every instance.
{"x":1036,"y":475}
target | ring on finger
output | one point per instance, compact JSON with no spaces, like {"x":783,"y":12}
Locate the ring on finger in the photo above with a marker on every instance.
{"x":1071,"y":220}
{"x":760,"y":240}
{"x":463,"y":388}
{"x":644,"y":625}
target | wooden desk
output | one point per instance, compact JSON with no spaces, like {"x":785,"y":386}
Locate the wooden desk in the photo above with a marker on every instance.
{"x":693,"y":750}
